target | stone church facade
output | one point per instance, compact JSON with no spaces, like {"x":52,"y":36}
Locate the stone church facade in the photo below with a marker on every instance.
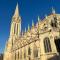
{"x":41,"y":42}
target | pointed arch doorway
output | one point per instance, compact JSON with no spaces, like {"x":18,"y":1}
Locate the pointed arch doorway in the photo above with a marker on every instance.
{"x":57,"y":43}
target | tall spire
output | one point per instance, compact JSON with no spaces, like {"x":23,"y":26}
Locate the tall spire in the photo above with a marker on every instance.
{"x":16,"y":23}
{"x":16,"y":11}
{"x":32,"y":23}
{"x":53,"y":10}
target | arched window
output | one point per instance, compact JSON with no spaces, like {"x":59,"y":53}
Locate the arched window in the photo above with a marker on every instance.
{"x":24,"y":53}
{"x":14,"y":28}
{"x":15,"y":56}
{"x":29,"y":51}
{"x":47,"y":45}
{"x":35,"y":51}
{"x":57,"y":43}
{"x":29,"y":58}
{"x":12,"y":42}
{"x":18,"y":55}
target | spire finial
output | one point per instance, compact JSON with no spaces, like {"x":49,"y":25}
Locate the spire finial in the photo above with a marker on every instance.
{"x":32,"y":23}
{"x":38,"y":18}
{"x":16,"y":11}
{"x":53,"y":10}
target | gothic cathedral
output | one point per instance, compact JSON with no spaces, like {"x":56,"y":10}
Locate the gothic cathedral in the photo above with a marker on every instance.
{"x":40,"y":42}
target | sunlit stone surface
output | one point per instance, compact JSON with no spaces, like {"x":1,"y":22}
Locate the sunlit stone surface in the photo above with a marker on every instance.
{"x":41,"y":42}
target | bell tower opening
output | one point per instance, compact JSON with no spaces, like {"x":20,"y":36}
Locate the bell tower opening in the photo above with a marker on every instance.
{"x":57,"y":43}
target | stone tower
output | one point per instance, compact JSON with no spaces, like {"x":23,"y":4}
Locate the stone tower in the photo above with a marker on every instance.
{"x":14,"y":33}
{"x":16,"y":23}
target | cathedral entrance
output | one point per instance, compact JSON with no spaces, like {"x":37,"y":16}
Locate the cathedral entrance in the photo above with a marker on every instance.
{"x":57,"y":43}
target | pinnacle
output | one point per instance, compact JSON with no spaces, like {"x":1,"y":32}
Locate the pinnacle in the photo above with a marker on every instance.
{"x":53,"y":10}
{"x":38,"y":18}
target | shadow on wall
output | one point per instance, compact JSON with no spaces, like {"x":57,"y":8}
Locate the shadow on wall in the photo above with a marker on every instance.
{"x":56,"y":57}
{"x":1,"y":56}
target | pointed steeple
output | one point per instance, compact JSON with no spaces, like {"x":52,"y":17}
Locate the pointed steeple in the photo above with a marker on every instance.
{"x":39,"y":20}
{"x":32,"y":23}
{"x":16,"y":23}
{"x":16,"y":11}
{"x":53,"y":10}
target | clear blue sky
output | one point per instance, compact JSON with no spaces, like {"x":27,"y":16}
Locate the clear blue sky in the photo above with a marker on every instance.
{"x":29,"y":9}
